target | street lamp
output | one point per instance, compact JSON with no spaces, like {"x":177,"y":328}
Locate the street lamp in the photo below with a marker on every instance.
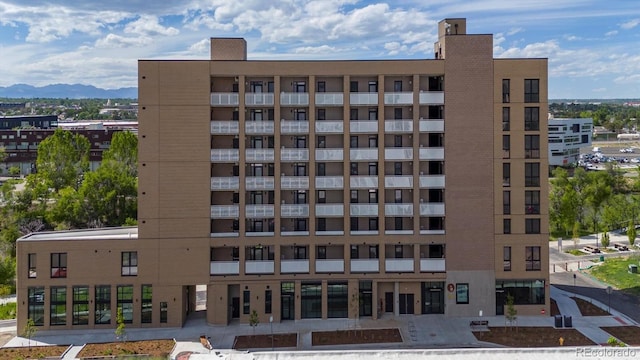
{"x":271,"y":324}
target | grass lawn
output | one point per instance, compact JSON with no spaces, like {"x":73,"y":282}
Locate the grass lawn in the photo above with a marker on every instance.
{"x":576,"y":252}
{"x":8,"y":311}
{"x":615,"y":271}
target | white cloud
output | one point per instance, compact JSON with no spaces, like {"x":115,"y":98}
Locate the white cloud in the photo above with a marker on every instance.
{"x":315,"y":49}
{"x":201,"y":47}
{"x":117,"y":41}
{"x":611,"y":33}
{"x":149,"y":25}
{"x":630,"y":24}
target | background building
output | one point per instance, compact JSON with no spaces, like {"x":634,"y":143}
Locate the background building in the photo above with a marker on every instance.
{"x":319,"y":189}
{"x":566,"y":137}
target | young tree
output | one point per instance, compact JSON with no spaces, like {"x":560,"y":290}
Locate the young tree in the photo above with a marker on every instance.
{"x":631,"y":232}
{"x":254,"y":320}
{"x":121,"y":333}
{"x":511,"y":315}
{"x":604,"y":240}
{"x":29,"y":330}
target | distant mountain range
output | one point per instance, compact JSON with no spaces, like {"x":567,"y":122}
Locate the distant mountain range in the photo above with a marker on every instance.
{"x":63,"y":91}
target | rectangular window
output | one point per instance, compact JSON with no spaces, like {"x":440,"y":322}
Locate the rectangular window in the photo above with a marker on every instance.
{"x":397,"y":223}
{"x":506,"y":89}
{"x":373,"y":196}
{"x":532,"y":146}
{"x":532,"y":174}
{"x":373,"y":168}
{"x":353,"y":168}
{"x":322,"y":196}
{"x":354,"y":251}
{"x":163,"y":312}
{"x":353,"y":114}
{"x":506,"y":146}
{"x":246,"y":302}
{"x":35,"y":310}
{"x":31,"y":259}
{"x":531,"y":90}
{"x":311,"y":300}
{"x":267,"y":301}
{"x":532,"y":202}
{"x":321,"y":224}
{"x":397,"y":113}
{"x":524,"y":292}
{"x":506,"y":118}
{"x":506,"y":202}
{"x":462,"y":293}
{"x":59,"y":265}
{"x":373,"y":251}
{"x":146,"y":305}
{"x":125,"y":302}
{"x":129,"y":263}
{"x":398,"y":196}
{"x":353,"y":86}
{"x":322,"y":142}
{"x":398,"y":253}
{"x":322,"y":86}
{"x":322,"y":114}
{"x":321,"y":169}
{"x":397,"y":141}
{"x":80,"y":305}
{"x":103,"y":304}
{"x":321,"y":252}
{"x":354,"y":223}
{"x":397,"y":168}
{"x":506,"y":174}
{"x":506,"y":258}
{"x":532,"y":226}
{"x":373,"y":86}
{"x":353,"y":142}
{"x":532,"y":258}
{"x":58,"y":305}
{"x":373,"y":224}
{"x":506,"y":226}
{"x":373,"y":141}
{"x":337,"y":300}
{"x":532,"y":118}
{"x":354,"y":196}
{"x":397,"y":86}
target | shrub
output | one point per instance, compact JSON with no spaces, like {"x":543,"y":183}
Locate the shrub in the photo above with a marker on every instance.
{"x":604,"y":240}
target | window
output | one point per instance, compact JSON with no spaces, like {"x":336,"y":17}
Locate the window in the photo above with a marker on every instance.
{"x":321,"y":169}
{"x":321,"y":252}
{"x":532,"y":202}
{"x":506,"y":85}
{"x":354,"y":223}
{"x":462,"y":293}
{"x":397,"y":141}
{"x":524,"y":292}
{"x":353,"y":114}
{"x":397,"y":113}
{"x":398,"y":196}
{"x":129,"y":263}
{"x":506,"y":226}
{"x":506,"y":258}
{"x":506,"y":202}
{"x":506,"y":174}
{"x":337,"y":300}
{"x":397,"y":223}
{"x":373,"y":224}
{"x":506,"y":118}
{"x":322,"y":196}
{"x":322,"y":114}
{"x":353,"y":86}
{"x":532,"y":226}
{"x":532,"y":258}
{"x":321,"y":224}
{"x":80,"y":305}
{"x":506,"y":146}
{"x":146,"y":305}
{"x":246,"y":302}
{"x":59,"y":265}
{"x":267,"y":301}
{"x":373,"y":196}
{"x":322,"y":86}
{"x":125,"y":302}
{"x":531,"y":118}
{"x":531,"y":174}
{"x":322,"y":142}
{"x":531,"y":90}
{"x":397,"y":168}
{"x":373,"y":86}
{"x":532,"y":146}
{"x":397,"y":86}
{"x":35,"y":309}
{"x":58,"y":305}
{"x":353,"y":142}
{"x":31,"y":259}
{"x":311,"y":300}
{"x":163,"y":312}
{"x":300,"y":252}
{"x":103,"y":304}
{"x":354,"y":196}
{"x":373,"y":141}
{"x":398,"y":252}
{"x":354,"y":251}
{"x":373,"y":251}
{"x":373,"y":168}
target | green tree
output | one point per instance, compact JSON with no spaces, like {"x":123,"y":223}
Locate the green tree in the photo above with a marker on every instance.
{"x":604,"y":239}
{"x":124,"y":151}
{"x":121,"y":332}
{"x":254,"y":320}
{"x":62,"y":160}
{"x":3,"y":154}
{"x":511,"y":316}
{"x":29,"y":330}
{"x":632,"y":232}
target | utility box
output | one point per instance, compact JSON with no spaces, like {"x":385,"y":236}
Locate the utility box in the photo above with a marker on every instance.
{"x":633,"y":269}
{"x":567,"y":321}
{"x":558,"y":321}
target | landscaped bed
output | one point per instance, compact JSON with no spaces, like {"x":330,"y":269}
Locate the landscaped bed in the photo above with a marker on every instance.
{"x":630,"y":335}
{"x":245,"y":342}
{"x":615,"y":271}
{"x":532,"y":336}
{"x":156,"y":348}
{"x":346,"y":337}
{"x":588,"y":309}
{"x":35,"y":352}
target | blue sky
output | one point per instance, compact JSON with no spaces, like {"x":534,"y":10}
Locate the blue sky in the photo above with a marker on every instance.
{"x":592,"y":45}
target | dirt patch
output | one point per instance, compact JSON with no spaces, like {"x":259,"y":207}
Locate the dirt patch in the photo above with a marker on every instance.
{"x":246,"y":342}
{"x":554,"y":308}
{"x":629,"y":335}
{"x":345,"y":337}
{"x":159,"y":348}
{"x":36,"y":352}
{"x":588,"y":309}
{"x":532,"y":336}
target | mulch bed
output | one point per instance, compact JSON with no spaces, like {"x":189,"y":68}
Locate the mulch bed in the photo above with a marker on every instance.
{"x":532,"y":336}
{"x":588,"y":309}
{"x":36,"y":352}
{"x":346,"y":337}
{"x":554,"y":308}
{"x":629,"y":335}
{"x":158,"y":348}
{"x":245,"y":342}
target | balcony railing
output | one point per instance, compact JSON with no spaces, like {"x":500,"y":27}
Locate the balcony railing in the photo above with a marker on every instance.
{"x":432,"y":265}
{"x":259,"y":211}
{"x":401,"y":210}
{"x":398,"y":126}
{"x":431,"y":153}
{"x":329,"y":127}
{"x":365,"y":265}
{"x":435,"y":125}
{"x":259,"y":127}
{"x":431,"y":181}
{"x":294,"y":127}
{"x":363,"y":154}
{"x":294,"y":266}
{"x":363,"y":182}
{"x":225,"y":211}
{"x":329,"y":265}
{"x":363,"y":126}
{"x":225,"y":183}
{"x":398,"y":98}
{"x":398,"y":182}
{"x":363,"y":98}
{"x":294,"y":99}
{"x":294,"y":182}
{"x":398,"y":265}
{"x":329,"y":154}
{"x":259,"y":267}
{"x":432,"y":209}
{"x":330,"y":210}
{"x":294,"y":155}
{"x":398,"y":154}
{"x":431,"y":97}
{"x":258,"y":99}
{"x":224,"y":99}
{"x":329,"y":182}
{"x":294,"y":210}
{"x":330,"y":233}
{"x":259,"y":155}
{"x":329,"y":99}
{"x":224,"y":268}
{"x":259,"y":183}
{"x":225,"y":155}
{"x":225,"y":128}
{"x":363,"y":210}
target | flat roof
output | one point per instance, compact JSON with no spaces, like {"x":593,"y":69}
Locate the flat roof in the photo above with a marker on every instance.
{"x":116,"y":233}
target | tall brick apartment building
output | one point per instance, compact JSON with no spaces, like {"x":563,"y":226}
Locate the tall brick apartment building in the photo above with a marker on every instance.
{"x":318,"y":189}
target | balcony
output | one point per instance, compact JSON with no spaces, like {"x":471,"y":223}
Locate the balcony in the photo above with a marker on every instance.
{"x":398,"y":265}
{"x":294,"y":155}
{"x":398,"y":98}
{"x":363,"y":182}
{"x":225,"y":155}
{"x":434,"y":125}
{"x":365,"y":265}
{"x":294,"y":182}
{"x":329,"y":182}
{"x":431,"y":181}
{"x":294,"y":210}
{"x":225,"y":211}
{"x":432,"y":265}
{"x":259,"y":155}
{"x":225,"y":183}
{"x":432,"y":209}
{"x":398,"y":182}
{"x":329,"y":99}
{"x":330,"y":210}
{"x":294,"y":127}
{"x":329,"y":155}
{"x":259,"y":267}
{"x":398,"y":154}
{"x":398,"y":126}
{"x":225,"y":128}
{"x":330,"y":233}
{"x":224,"y":234}
{"x":253,"y":183}
{"x":363,"y":210}
{"x":329,"y":265}
{"x":224,"y":99}
{"x":431,"y":98}
{"x":259,"y":127}
{"x":294,"y":266}
{"x":258,"y":99}
{"x":363,"y":98}
{"x":224,"y":268}
{"x":329,"y":127}
{"x":431,"y":153}
{"x":363,"y":127}
{"x":294,"y":99}
{"x":294,"y":233}
{"x":259,"y":211}
{"x":400,"y":210}
{"x":363,"y":154}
